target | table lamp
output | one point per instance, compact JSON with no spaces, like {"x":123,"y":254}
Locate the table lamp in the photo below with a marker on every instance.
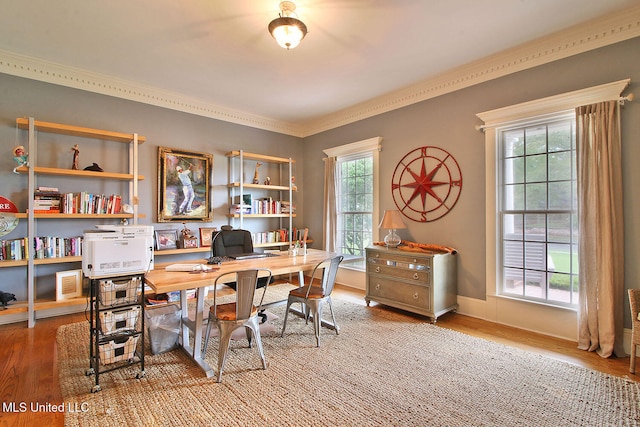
{"x":391,"y":220}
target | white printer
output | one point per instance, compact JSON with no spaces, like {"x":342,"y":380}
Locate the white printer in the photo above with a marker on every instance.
{"x":116,"y":250}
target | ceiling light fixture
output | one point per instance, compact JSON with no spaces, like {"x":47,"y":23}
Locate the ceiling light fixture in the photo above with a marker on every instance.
{"x":287,"y":30}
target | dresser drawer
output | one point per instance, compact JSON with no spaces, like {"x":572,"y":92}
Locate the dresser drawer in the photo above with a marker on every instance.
{"x":417,"y":295}
{"x":422,"y":276}
{"x":400,"y":266}
{"x":412,"y":262}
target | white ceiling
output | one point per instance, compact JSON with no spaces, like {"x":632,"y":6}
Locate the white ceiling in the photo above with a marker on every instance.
{"x":217,"y":56}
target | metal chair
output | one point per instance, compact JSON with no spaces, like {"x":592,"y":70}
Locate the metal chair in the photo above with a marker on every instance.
{"x":312,"y":297}
{"x":634,"y":302}
{"x":243,"y":312}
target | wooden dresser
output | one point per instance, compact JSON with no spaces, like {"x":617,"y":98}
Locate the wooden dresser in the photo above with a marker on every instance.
{"x":423,"y":283}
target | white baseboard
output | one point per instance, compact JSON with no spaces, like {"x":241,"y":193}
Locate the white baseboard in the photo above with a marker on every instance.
{"x":519,"y":317}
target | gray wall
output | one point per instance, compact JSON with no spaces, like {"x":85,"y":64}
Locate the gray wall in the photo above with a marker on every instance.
{"x":162,"y":127}
{"x":448,"y":122}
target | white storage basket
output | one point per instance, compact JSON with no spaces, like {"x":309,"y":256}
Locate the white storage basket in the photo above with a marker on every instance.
{"x":114,"y":292}
{"x":118,"y":349}
{"x":115,"y":321}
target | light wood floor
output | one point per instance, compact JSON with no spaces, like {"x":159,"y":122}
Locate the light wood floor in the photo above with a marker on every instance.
{"x":28,"y":358}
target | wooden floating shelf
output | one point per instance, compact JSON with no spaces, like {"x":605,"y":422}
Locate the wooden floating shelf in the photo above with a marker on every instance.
{"x":40,"y":261}
{"x":182,"y":251}
{"x":81,"y":216}
{"x":261,"y":215}
{"x":22,"y":306}
{"x":252,"y":156}
{"x":261,"y":186}
{"x":82,"y":173}
{"x":23,"y":123}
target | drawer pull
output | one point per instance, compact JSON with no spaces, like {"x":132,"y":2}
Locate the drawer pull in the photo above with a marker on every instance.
{"x":416,"y":276}
{"x":377,"y":269}
{"x":378,"y":286}
{"x":415,"y":296}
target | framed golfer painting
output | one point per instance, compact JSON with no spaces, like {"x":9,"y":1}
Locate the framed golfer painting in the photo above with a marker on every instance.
{"x":184,"y":186}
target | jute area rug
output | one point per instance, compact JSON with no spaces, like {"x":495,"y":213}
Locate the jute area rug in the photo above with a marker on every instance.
{"x":384,"y":369}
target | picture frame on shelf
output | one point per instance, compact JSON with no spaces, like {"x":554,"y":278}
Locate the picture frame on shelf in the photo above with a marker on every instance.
{"x":190,"y":242}
{"x":68,"y":284}
{"x":206,"y":234}
{"x":184,"y":186}
{"x":166,"y":239}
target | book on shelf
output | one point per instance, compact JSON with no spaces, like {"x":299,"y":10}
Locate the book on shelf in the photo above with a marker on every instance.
{"x":88,"y":203}
{"x":14,"y":249}
{"x":281,"y":235}
{"x":268,"y":205}
{"x":57,"y":247}
{"x":237,"y":209}
{"x":287,"y":207}
{"x":48,"y":189}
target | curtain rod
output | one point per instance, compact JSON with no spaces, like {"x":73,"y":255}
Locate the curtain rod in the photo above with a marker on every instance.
{"x":621,"y":100}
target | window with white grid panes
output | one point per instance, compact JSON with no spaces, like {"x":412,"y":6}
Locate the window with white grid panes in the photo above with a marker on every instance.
{"x":539,"y":219}
{"x":355,"y":203}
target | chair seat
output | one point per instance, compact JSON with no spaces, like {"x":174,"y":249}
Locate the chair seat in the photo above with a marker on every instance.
{"x":301,"y":292}
{"x":228,"y":311}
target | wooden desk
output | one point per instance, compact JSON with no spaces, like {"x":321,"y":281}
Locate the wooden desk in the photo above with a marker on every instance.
{"x":162,"y":281}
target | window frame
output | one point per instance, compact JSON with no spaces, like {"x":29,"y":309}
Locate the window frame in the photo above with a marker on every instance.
{"x":372,"y":147}
{"x":531,"y":315}
{"x":503,"y":210}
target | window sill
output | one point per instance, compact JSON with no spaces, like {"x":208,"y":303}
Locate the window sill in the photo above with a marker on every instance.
{"x":538,"y":303}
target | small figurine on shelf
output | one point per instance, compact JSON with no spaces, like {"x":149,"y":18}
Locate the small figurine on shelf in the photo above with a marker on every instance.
{"x":5,"y":297}
{"x":188,"y":239}
{"x":76,"y":154}
{"x":267,"y":181}
{"x":185,"y":231}
{"x":256,"y":178}
{"x":21,"y":158}
{"x":94,"y":167}
{"x":293,"y":183}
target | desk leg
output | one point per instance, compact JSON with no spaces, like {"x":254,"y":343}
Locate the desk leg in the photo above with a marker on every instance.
{"x":184,"y":309}
{"x":196,"y":327}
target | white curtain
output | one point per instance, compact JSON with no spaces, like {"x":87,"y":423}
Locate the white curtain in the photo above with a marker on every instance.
{"x":601,"y":227}
{"x":330,"y":217}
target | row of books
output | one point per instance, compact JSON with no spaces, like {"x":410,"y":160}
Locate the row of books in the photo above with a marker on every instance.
{"x":44,"y":247}
{"x":14,"y":249}
{"x":279,"y":235}
{"x":87,"y":203}
{"x":50,"y":200}
{"x":57,"y":247}
{"x":264,"y":206}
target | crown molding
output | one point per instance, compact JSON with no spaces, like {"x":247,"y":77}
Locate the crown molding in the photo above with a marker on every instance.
{"x":592,"y":35}
{"x":50,"y":72}
{"x":601,"y":32}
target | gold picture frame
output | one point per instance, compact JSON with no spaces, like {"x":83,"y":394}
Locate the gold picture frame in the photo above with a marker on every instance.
{"x":184,"y":186}
{"x":68,"y":284}
{"x":206,"y":234}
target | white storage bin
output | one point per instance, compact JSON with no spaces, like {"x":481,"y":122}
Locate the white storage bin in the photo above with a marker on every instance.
{"x":118,"y":349}
{"x":116,"y":292}
{"x":114,"y":321}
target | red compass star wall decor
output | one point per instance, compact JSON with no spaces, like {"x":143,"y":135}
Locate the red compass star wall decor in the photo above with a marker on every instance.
{"x":426,"y":184}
